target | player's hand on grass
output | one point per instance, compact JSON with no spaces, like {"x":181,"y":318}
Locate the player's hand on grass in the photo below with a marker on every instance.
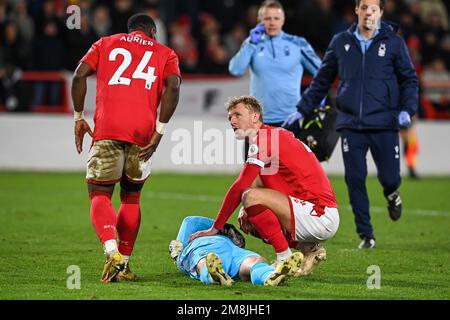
{"x":148,"y":150}
{"x":81,"y":127}
{"x":203,"y":233}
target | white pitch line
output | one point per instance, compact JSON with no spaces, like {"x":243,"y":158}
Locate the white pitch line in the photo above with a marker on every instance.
{"x":208,"y":198}
{"x":417,"y":212}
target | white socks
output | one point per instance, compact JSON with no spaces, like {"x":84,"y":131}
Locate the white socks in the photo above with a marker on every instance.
{"x":110,"y":247}
{"x":284,"y":255}
{"x":126,"y":258}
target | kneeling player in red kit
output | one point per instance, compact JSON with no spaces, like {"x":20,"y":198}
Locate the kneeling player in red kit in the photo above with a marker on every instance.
{"x":283,"y":188}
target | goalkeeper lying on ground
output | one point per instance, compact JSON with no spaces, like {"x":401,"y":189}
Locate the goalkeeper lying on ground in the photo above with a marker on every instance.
{"x":221,"y":258}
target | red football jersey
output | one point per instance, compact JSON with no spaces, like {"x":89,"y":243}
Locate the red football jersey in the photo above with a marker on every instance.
{"x":289,"y":165}
{"x":284,"y":164}
{"x":131,"y":69}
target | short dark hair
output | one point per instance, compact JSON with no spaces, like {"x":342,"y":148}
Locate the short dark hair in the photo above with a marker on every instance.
{"x":141,"y":21}
{"x":382,"y":3}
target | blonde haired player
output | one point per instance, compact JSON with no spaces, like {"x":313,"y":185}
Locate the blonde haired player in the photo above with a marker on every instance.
{"x":282,"y":186}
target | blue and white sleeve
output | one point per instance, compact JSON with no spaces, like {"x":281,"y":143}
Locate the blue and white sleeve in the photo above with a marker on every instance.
{"x":310,"y":60}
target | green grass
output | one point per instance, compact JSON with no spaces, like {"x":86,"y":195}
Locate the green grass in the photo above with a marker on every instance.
{"x":45,"y":227}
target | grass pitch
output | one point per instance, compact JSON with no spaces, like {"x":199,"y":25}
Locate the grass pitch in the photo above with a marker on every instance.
{"x":45,"y":228}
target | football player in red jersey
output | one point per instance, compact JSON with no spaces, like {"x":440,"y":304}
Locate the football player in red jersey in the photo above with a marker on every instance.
{"x":134,"y":74}
{"x":285,"y":192}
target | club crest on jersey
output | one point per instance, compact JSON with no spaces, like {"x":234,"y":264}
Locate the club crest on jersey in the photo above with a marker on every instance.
{"x":261,"y":51}
{"x":253,"y":150}
{"x":382,"y":50}
{"x":287,"y":51}
{"x":347,"y":47}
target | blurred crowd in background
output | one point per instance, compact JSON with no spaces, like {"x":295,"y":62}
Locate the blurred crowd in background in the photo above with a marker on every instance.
{"x":205,"y":34}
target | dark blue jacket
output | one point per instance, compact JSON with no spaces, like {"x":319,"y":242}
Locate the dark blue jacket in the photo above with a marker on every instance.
{"x":374,"y":87}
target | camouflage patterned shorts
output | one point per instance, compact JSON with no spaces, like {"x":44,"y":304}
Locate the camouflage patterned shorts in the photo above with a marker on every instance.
{"x":109,"y":160}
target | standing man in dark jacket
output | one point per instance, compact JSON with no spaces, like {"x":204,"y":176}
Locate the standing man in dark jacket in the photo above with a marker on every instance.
{"x":378,"y":92}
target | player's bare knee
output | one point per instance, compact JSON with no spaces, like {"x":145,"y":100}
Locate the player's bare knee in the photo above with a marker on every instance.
{"x":249,"y":262}
{"x":200,"y":265}
{"x":258,"y":260}
{"x":127,"y":186}
{"x":130,"y":192}
{"x":247,"y":265}
{"x":104,"y":188}
{"x":250,"y":197}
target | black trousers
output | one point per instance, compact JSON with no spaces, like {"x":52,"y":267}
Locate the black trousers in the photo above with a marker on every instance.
{"x":384,"y":147}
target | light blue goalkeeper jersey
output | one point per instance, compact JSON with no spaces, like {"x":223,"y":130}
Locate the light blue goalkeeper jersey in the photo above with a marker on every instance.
{"x":276,"y":70}
{"x":231,"y":255}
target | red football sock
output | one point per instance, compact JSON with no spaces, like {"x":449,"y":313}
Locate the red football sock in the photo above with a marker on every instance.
{"x":128,"y":221}
{"x":268,"y":226}
{"x":103,"y":216}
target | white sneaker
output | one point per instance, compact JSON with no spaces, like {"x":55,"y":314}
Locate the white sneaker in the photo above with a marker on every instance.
{"x":367,"y":243}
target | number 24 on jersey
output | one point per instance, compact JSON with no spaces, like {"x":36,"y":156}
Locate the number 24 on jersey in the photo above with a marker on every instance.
{"x":139,"y":73}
